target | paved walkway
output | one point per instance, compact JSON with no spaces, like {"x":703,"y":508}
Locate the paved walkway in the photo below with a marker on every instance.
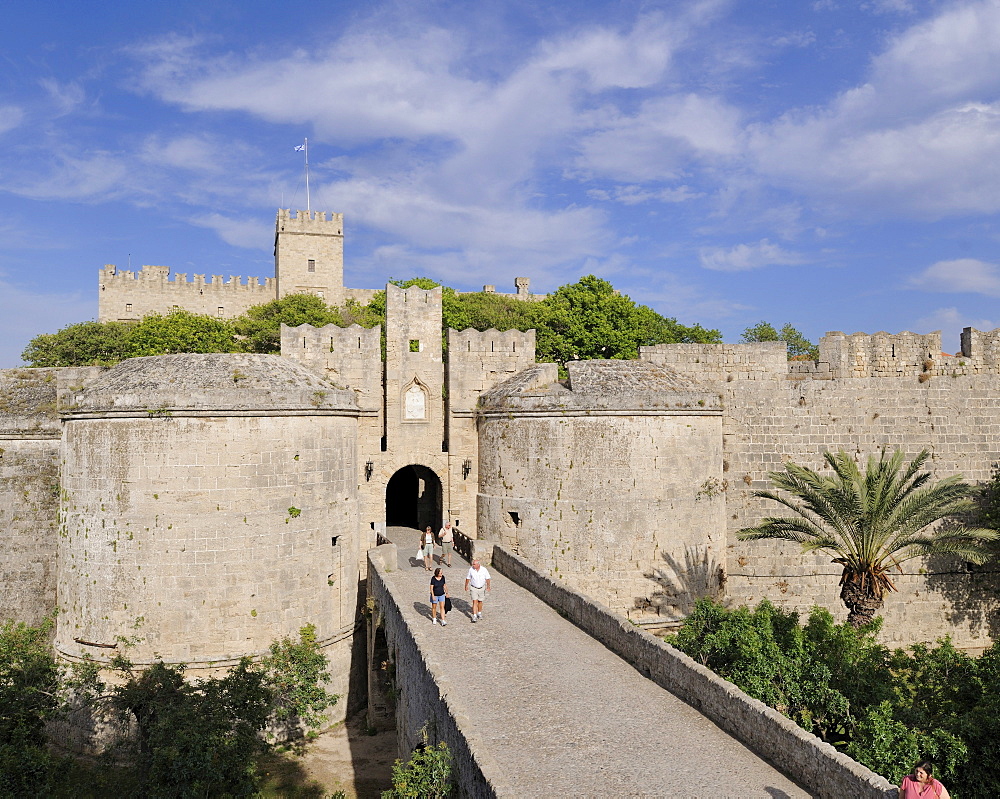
{"x":566,"y":716}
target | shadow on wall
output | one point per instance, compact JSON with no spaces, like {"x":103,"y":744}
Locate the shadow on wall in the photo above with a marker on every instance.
{"x":973,"y":592}
{"x":679,"y":585}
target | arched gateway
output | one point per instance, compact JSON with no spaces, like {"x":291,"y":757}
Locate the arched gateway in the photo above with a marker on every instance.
{"x":413,"y":498}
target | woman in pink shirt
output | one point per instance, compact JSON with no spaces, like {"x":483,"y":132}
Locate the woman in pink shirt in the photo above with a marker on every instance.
{"x":921,"y":784}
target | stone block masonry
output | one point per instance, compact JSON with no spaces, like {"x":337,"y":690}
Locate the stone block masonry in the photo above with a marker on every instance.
{"x":129,"y":296}
{"x":872,"y":391}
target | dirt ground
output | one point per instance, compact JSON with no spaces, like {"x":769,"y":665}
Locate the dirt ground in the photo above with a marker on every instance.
{"x":345,"y":758}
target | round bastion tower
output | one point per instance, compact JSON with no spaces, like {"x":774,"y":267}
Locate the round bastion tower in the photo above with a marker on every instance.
{"x":209,"y":506}
{"x":611,"y":481}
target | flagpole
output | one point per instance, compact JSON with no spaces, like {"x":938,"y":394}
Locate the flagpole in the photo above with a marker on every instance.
{"x":308,"y":206}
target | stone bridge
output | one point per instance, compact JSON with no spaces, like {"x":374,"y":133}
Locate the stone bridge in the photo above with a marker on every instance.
{"x":551,"y":694}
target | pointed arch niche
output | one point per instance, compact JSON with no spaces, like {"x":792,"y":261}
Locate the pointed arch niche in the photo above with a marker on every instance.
{"x":416,"y":401}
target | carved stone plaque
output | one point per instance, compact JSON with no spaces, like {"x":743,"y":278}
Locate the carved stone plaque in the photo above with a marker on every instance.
{"x":415,"y":406}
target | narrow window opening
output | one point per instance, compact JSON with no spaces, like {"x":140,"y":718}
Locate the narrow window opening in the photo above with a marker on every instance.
{"x":331,"y":343}
{"x":221,"y":311}
{"x":128,"y":307}
{"x":491,"y":346}
{"x":333,"y":540}
{"x":312,"y":265}
{"x":893,"y":350}
{"x":515,"y":517}
{"x":470,"y":345}
{"x":383,"y":444}
{"x":414,"y":345}
{"x":303,"y":342}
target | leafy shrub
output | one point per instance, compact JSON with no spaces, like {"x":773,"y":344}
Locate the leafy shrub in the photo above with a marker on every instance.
{"x":427,"y":775}
{"x":885,"y":709}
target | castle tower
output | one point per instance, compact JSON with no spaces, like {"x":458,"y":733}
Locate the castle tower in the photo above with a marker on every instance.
{"x":309,"y":254}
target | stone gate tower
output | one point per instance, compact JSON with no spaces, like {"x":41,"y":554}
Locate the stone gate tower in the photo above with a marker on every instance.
{"x":309,"y":254}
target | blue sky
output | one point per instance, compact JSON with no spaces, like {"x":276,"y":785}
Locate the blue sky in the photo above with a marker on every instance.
{"x":831,"y":164}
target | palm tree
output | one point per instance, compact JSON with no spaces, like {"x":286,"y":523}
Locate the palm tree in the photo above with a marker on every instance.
{"x":871,"y":521}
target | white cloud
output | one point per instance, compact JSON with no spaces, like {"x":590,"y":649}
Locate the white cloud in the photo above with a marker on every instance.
{"x":241,"y":232}
{"x":744,"y":257}
{"x":10,"y":117}
{"x":660,"y":140}
{"x":951,"y":322}
{"x":94,"y":176}
{"x":637,"y":58}
{"x":65,"y":97}
{"x":889,"y":6}
{"x":960,"y":276}
{"x":922,"y":135}
{"x":634,"y":195}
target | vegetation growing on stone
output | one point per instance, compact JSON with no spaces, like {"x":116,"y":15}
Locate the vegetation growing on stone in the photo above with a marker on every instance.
{"x":885,"y":708}
{"x":427,"y":774}
{"x":582,"y":320}
{"x":799,"y":347}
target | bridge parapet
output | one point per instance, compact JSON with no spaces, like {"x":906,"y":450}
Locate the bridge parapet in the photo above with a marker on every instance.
{"x":423,"y":700}
{"x":815,"y":765}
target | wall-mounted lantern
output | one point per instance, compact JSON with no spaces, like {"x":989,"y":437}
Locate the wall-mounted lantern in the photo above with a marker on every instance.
{"x":466,"y":468}
{"x":369,"y":470}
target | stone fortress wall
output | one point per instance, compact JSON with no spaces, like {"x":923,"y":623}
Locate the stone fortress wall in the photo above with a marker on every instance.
{"x":308,"y":259}
{"x":160,"y":489}
{"x":865,"y":392}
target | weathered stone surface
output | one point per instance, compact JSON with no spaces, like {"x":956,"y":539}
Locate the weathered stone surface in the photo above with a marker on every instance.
{"x":532,"y":705}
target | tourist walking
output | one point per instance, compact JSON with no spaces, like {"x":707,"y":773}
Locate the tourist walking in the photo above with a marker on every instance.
{"x":477,"y":582}
{"x":439,"y":597}
{"x":921,"y":784}
{"x":427,"y":545}
{"x":447,"y":539}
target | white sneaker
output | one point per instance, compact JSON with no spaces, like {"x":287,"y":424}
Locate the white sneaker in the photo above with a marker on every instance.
{"x":473,"y":618}
{"x":479,"y":616}
{"x":435,"y":621}
{"x":444,"y":623}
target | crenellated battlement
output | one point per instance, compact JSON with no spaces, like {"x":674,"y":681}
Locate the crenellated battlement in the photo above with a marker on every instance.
{"x":130,"y":295}
{"x":858,"y":355}
{"x":161,"y":275}
{"x":478,"y":360}
{"x":347,"y":356}
{"x":490,"y":341}
{"x":318,"y":222}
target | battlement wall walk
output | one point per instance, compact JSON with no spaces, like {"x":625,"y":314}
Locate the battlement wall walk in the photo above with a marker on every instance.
{"x":534,"y":706}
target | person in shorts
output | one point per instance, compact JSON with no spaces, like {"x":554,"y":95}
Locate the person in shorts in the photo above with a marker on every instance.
{"x":439,"y":593}
{"x":477,"y":583}
{"x":427,"y":545}
{"x":447,"y":539}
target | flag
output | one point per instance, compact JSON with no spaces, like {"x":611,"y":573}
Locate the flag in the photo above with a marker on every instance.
{"x":299,"y":148}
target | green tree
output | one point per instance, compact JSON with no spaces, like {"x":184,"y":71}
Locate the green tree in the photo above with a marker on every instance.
{"x":296,"y":674}
{"x":797,"y":344}
{"x":82,"y":344}
{"x":29,"y":696}
{"x":589,"y":319}
{"x":482,"y":310}
{"x":181,"y":331}
{"x":871,"y":521}
{"x":195,"y":738}
{"x":259,"y":329}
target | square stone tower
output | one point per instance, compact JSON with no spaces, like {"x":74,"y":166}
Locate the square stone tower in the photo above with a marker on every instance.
{"x":309,"y":254}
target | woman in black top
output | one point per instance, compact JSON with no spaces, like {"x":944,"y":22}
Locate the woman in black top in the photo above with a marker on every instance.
{"x":439,"y":593}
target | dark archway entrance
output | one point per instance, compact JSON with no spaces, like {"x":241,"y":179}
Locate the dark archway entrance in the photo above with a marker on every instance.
{"x":413,"y":498}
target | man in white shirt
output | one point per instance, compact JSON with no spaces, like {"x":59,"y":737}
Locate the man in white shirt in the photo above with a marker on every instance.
{"x":477,"y":582}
